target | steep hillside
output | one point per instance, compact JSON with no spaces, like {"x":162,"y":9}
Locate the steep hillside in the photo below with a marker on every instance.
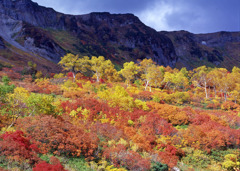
{"x":45,"y":32}
{"x":226,"y":44}
{"x":37,"y":33}
{"x":221,"y":49}
{"x":16,"y":46}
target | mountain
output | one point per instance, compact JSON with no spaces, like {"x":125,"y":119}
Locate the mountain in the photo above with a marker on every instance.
{"x":221,"y":49}
{"x":29,"y":32}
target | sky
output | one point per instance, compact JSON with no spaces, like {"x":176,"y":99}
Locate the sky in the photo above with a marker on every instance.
{"x":196,"y":16}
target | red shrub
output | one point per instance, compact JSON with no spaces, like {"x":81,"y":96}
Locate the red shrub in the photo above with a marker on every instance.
{"x":101,"y":80}
{"x":16,"y":146}
{"x":95,"y":108}
{"x":43,"y":166}
{"x":11,"y":73}
{"x":119,"y":156}
{"x":70,"y":75}
{"x":200,"y":119}
{"x":107,"y":131}
{"x":167,"y":158}
{"x":158,"y":125}
{"x":80,"y":85}
{"x":136,"y":114}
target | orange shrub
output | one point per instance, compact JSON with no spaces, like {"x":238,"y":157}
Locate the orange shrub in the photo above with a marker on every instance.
{"x":229,"y":105}
{"x":171,"y":113}
{"x":59,"y":136}
{"x":73,"y":94}
{"x":213,"y":105}
{"x":144,"y":95}
{"x":209,"y":135}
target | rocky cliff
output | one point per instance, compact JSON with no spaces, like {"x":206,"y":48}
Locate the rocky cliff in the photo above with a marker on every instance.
{"x":46,"y":35}
{"x":2,"y":46}
{"x":219,"y":49}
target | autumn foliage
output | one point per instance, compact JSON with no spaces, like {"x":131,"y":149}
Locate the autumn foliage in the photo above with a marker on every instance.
{"x":142,"y":117}
{"x":46,"y":166}
{"x":59,"y":137}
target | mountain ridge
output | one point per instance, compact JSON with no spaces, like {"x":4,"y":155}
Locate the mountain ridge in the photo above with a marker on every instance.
{"x":49,"y":35}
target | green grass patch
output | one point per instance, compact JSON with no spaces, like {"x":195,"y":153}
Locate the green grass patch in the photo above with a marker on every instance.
{"x":66,"y":40}
{"x":73,"y":164}
{"x":181,"y":127}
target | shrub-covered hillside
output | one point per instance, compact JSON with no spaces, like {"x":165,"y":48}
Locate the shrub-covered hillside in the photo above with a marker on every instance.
{"x":142,"y":117}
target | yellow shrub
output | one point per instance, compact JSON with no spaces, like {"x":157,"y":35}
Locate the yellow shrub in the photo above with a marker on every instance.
{"x":39,"y":74}
{"x":60,"y":75}
{"x":231,"y":162}
{"x":118,"y":96}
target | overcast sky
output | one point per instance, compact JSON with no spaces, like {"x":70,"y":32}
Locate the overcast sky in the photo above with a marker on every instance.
{"x":196,"y":16}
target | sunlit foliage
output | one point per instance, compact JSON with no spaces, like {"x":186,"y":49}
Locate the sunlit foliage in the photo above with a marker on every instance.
{"x":143,"y":117}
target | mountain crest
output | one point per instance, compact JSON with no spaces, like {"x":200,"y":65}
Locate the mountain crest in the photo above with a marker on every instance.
{"x":44,"y":34}
{"x":28,"y":11}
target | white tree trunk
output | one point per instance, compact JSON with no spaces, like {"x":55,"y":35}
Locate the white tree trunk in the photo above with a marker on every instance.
{"x":74,"y":76}
{"x":146,"y":85}
{"x":205,"y":87}
{"x":98,"y":75}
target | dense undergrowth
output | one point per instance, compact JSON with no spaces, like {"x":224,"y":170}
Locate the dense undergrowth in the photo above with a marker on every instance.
{"x":159,"y":118}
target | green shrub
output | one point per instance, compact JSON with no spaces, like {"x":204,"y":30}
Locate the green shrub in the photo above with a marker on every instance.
{"x":5,"y":88}
{"x":157,"y":166}
{"x":197,"y":159}
{"x":41,"y":104}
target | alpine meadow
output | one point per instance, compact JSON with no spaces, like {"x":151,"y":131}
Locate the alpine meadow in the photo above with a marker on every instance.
{"x":105,"y":92}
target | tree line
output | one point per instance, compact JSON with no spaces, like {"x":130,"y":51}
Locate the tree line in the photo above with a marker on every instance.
{"x":219,"y":80}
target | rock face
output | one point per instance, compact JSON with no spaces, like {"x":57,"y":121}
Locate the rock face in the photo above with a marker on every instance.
{"x":117,"y":37}
{"x":43,"y":32}
{"x":219,"y":39}
{"x":18,"y":33}
{"x":125,"y":38}
{"x":2,"y":46}
{"x":29,"y":12}
{"x":37,"y":41}
{"x":219,"y":49}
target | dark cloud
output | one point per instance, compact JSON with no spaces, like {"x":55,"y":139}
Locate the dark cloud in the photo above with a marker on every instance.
{"x":207,"y":16}
{"x":197,"y":16}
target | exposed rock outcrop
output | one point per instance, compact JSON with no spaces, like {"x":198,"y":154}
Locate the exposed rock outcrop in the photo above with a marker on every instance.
{"x":43,"y":32}
{"x":219,"y":49}
{"x":116,"y":36}
{"x":2,"y":45}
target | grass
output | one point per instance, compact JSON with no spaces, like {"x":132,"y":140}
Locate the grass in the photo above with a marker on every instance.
{"x":66,"y":40}
{"x":71,"y":163}
{"x":118,"y":67}
{"x":181,"y":127}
